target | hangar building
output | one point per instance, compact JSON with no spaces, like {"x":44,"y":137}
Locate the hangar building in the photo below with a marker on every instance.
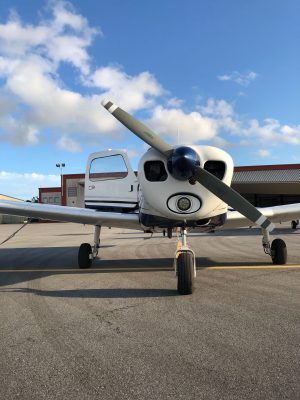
{"x":262,"y":185}
{"x":268,"y":185}
{"x":10,"y":219}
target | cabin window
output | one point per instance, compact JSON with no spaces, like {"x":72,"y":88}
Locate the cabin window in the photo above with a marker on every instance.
{"x":155,"y":171}
{"x":216,"y":168}
{"x":109,"y":167}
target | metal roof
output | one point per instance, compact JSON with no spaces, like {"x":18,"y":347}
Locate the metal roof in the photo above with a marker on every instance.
{"x":267,"y":176}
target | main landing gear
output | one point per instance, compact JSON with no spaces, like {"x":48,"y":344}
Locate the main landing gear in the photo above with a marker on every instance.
{"x":185,"y":265}
{"x":185,"y":261}
{"x":294,"y":224}
{"x":277,"y":249}
{"x":87,"y":253}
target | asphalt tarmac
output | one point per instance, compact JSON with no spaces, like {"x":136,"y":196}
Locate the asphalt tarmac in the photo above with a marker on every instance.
{"x":121,"y":331}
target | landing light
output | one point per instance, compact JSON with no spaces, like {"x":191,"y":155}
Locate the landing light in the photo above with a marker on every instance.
{"x":184,"y":204}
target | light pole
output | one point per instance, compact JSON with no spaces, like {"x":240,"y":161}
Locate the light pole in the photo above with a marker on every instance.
{"x":61,"y":166}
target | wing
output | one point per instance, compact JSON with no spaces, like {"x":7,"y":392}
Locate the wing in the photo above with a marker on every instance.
{"x":277,"y":214}
{"x":70,"y":214}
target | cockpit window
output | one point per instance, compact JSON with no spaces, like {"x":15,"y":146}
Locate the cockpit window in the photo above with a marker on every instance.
{"x":216,"y":168}
{"x":155,"y":171}
{"x":108,"y":167}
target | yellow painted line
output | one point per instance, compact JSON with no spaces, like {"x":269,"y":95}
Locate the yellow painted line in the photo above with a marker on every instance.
{"x":137,"y":269}
{"x":179,"y":245}
{"x":253,"y":267}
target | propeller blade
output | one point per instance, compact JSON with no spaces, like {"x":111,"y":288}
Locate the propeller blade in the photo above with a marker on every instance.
{"x":138,"y":128}
{"x":232,"y":198}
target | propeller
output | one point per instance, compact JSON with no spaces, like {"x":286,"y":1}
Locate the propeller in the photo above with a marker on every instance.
{"x":183,"y":164}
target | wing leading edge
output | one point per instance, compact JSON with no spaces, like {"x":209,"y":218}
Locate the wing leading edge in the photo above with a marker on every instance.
{"x":275,"y":214}
{"x":70,"y":214}
{"x":131,"y":221}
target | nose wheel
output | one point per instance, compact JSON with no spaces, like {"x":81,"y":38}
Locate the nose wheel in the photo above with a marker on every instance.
{"x":185,"y":273}
{"x":185,"y":265}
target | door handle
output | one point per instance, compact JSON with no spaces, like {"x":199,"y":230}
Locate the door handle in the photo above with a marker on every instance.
{"x":91,"y":187}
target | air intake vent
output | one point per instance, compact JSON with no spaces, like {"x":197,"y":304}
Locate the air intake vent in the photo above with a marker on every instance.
{"x":216,"y":168}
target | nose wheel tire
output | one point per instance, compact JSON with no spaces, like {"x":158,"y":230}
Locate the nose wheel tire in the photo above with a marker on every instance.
{"x":279,"y":252}
{"x":185,"y":273}
{"x":85,"y":255}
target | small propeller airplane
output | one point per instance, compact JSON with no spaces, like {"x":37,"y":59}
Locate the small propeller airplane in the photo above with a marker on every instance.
{"x":178,"y":188}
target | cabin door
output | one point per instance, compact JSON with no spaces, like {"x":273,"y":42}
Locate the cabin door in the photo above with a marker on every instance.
{"x":110,"y":182}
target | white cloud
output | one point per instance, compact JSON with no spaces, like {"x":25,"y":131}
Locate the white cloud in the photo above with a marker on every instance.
{"x":133,"y":153}
{"x":65,"y":15}
{"x":42,"y":103}
{"x":16,"y":39}
{"x":36,"y":100}
{"x":221,"y":142}
{"x":7,"y":104}
{"x":68,"y":144}
{"x":132,"y":92}
{"x":263,"y":153}
{"x":271,"y":132}
{"x":191,"y":127}
{"x":26,"y":185}
{"x":223,"y":115}
{"x":63,"y":37}
{"x":217,"y":108}
{"x":239,"y":78}
{"x":175,"y":102}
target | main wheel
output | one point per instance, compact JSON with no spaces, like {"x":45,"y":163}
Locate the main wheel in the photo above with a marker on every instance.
{"x":185,"y":273}
{"x":279,"y":252}
{"x":84,"y":252}
{"x":294,"y":224}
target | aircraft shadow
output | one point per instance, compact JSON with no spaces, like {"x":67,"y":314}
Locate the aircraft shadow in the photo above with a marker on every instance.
{"x":23,"y":264}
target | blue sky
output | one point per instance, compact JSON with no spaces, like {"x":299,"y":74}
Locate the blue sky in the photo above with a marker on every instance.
{"x":224,"y":73}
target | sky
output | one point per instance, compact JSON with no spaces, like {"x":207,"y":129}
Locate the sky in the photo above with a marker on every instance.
{"x":220,"y":73}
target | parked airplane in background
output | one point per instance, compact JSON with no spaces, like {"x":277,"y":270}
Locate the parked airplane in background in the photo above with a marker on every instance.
{"x":177,"y":188}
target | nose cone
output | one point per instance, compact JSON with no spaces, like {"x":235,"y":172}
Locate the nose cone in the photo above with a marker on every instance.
{"x":183,"y":162}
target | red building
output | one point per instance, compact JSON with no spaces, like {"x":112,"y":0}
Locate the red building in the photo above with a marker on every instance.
{"x":70,"y":194}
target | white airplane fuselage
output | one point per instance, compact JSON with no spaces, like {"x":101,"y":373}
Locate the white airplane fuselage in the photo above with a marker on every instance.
{"x":161,"y":200}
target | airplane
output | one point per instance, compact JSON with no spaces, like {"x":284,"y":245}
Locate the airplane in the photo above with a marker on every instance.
{"x":181,"y":188}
